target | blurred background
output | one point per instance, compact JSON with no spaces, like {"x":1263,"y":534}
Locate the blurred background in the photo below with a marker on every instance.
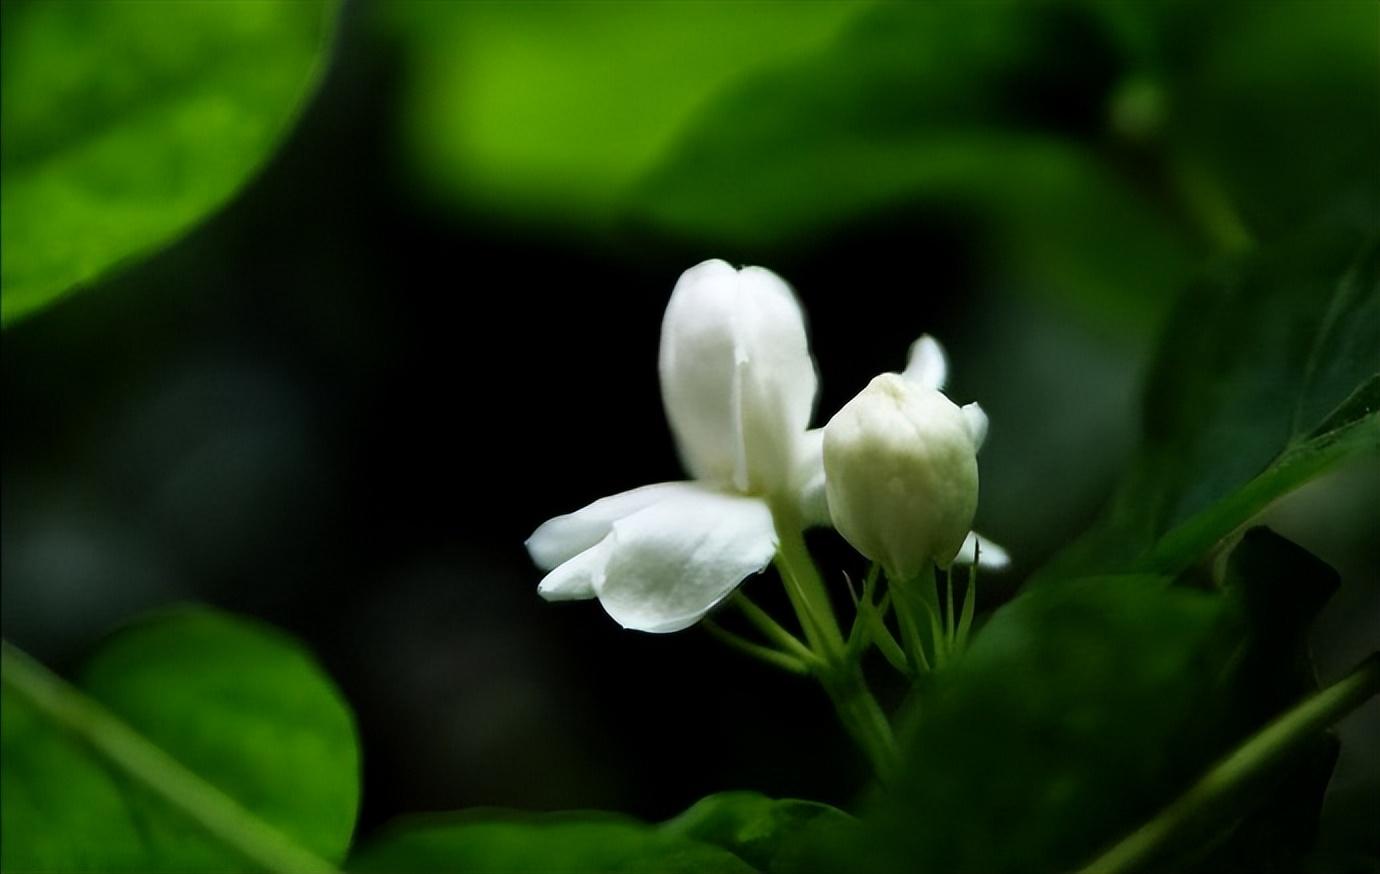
{"x":430,"y":322}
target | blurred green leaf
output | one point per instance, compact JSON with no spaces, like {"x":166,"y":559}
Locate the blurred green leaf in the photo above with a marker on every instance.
{"x":772,"y":835}
{"x":496,"y":842}
{"x":1279,"y":589}
{"x":1082,"y":709}
{"x":1052,"y":731}
{"x":236,"y":703}
{"x":978,"y":112}
{"x":552,"y":110}
{"x":1264,"y":380}
{"x":1279,"y":102}
{"x":124,"y":123}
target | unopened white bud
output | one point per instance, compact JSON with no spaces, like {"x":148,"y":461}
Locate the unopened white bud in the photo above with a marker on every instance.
{"x":900,"y":465}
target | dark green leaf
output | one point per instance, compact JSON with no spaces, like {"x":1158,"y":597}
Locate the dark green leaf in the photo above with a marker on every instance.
{"x":1278,"y":101}
{"x":773,"y":835}
{"x":1073,"y":715}
{"x":497,"y":842}
{"x":123,"y":124}
{"x":1279,"y":589}
{"x":1082,"y":709}
{"x":979,"y":112}
{"x":1264,"y":380}
{"x":239,"y":705}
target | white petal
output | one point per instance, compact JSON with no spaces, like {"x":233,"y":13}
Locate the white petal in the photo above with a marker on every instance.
{"x":574,"y":579}
{"x":992,"y":556}
{"x":811,"y":496}
{"x":672,"y":562}
{"x":736,"y":375}
{"x":977,"y":424}
{"x":560,"y":539}
{"x":927,"y":364}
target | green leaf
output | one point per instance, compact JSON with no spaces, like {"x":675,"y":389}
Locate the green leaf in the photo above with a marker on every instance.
{"x":1265,"y":379}
{"x":199,"y":740}
{"x":495,"y":842}
{"x":1082,"y":709}
{"x":552,"y":110}
{"x":772,"y":835}
{"x":1279,"y":588}
{"x":122,"y":124}
{"x":1276,"y":100}
{"x":980,"y":113}
{"x":1051,"y":734}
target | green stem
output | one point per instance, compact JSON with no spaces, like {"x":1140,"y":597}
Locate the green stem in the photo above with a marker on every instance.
{"x":804,"y":586}
{"x":950,"y":631}
{"x":841,"y":677}
{"x":221,"y":816}
{"x":965,"y":622}
{"x":1231,"y":777}
{"x":917,"y":606}
{"x":864,"y":719}
{"x":773,"y":657}
{"x":773,"y":630}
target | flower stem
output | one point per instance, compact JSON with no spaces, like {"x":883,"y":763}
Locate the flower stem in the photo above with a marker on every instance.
{"x":841,"y":676}
{"x":805,"y":588}
{"x":1231,"y":777}
{"x":773,"y":657}
{"x":864,"y":719}
{"x":773,"y":630}
{"x":146,"y":765}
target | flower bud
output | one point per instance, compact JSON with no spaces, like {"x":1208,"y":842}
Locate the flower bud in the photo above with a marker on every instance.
{"x":900,"y":464}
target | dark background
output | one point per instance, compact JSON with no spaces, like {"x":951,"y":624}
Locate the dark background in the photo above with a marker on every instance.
{"x":341,"y":408}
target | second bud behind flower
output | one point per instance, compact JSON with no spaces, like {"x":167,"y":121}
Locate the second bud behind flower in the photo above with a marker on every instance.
{"x":900,"y":463}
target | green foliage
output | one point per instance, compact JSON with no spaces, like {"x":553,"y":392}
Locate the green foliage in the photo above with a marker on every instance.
{"x":976,"y":112}
{"x":1082,"y":709}
{"x":1277,"y":101}
{"x":237,"y":704}
{"x":123,"y":124}
{"x":773,"y":835}
{"x":551,"y":111}
{"x":1265,"y":379}
{"x":1091,"y":152}
{"x":497,"y":842}
{"x":1091,"y":176}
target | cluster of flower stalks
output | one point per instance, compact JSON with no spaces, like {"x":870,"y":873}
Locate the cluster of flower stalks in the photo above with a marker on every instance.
{"x":894,"y":471}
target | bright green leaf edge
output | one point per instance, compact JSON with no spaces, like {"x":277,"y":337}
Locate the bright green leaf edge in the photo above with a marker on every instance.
{"x":18,"y":301}
{"x":1350,"y":430}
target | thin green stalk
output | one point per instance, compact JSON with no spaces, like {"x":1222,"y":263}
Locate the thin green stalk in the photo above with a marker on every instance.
{"x":773,"y":630}
{"x":1231,"y":778}
{"x":910,"y":629}
{"x":803,"y":583}
{"x":859,"y":636}
{"x":965,"y":622}
{"x":882,"y":636}
{"x":773,"y":657}
{"x":949,"y":631}
{"x":219,"y":814}
{"x":805,"y":615}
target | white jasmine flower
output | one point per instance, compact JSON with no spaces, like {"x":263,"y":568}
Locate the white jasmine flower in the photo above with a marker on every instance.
{"x":739,"y":387}
{"x":901,"y":469}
